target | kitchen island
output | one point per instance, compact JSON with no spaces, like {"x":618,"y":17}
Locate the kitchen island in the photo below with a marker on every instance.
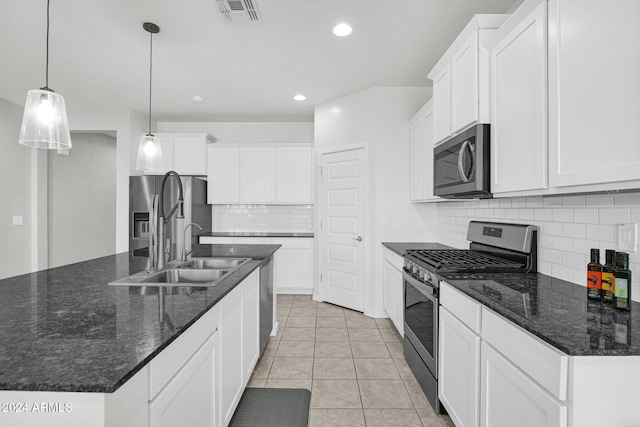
{"x":76,"y":351}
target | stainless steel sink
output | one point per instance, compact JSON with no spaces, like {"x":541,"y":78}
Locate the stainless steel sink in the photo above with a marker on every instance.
{"x":194,"y":272}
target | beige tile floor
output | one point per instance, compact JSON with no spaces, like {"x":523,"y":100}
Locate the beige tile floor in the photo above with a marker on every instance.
{"x":353,"y":365}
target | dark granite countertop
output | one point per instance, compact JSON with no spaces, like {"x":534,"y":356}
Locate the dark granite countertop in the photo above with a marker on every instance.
{"x":66,"y":329}
{"x":556,"y":311}
{"x":400,"y":247}
{"x":256,"y":234}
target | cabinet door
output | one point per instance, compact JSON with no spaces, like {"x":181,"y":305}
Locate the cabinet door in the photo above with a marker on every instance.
{"x":190,"y":393}
{"x":442,"y":103}
{"x":231,"y":375}
{"x":293,"y":266}
{"x":250,"y":323}
{"x":223,"y":165}
{"x":294,"y":175}
{"x":190,"y":156}
{"x":418,"y":156}
{"x":593,"y":129}
{"x":519,"y":113}
{"x":257,"y":175}
{"x":388,"y":293}
{"x":398,"y":301}
{"x":459,"y":370}
{"x":428,"y":162}
{"x":510,"y":398}
{"x":464,"y":84}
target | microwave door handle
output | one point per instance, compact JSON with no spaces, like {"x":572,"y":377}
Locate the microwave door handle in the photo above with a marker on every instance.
{"x":463,"y":175}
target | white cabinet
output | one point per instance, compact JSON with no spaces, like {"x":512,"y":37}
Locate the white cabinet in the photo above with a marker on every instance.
{"x":191,"y":392}
{"x":250,"y":324}
{"x":293,"y":266}
{"x":185,"y":153}
{"x":421,"y":157}
{"x":257,"y":175}
{"x":594,"y":128}
{"x":392,"y":288}
{"x":518,"y":52}
{"x":260,"y":174}
{"x":459,"y":370}
{"x":231,"y":375}
{"x":223,"y":165}
{"x":511,"y":398}
{"x":461,"y":79}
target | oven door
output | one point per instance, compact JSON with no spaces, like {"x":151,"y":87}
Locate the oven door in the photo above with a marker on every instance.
{"x":421,"y":320}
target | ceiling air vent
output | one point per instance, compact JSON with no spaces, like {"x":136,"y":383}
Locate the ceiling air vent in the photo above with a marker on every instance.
{"x":239,"y":10}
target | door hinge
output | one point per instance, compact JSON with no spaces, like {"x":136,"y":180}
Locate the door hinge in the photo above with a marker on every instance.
{"x":321,"y":277}
{"x":320,"y":224}
{"x":320,"y":167}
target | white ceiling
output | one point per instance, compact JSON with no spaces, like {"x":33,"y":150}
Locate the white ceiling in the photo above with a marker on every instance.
{"x":99,"y":53}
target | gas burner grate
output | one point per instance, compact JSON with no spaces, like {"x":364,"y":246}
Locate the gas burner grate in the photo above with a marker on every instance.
{"x":461,"y":259}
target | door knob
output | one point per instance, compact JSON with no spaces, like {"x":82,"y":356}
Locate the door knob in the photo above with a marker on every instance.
{"x":359,"y":238}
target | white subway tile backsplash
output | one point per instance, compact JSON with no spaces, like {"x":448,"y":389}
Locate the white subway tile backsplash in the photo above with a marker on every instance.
{"x":613,"y":215}
{"x":586,"y":216}
{"x":282,"y":218}
{"x":569,"y":227}
{"x":563,"y":215}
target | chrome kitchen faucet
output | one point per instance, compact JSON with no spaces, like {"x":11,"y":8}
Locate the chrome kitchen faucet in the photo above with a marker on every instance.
{"x":161,"y":220}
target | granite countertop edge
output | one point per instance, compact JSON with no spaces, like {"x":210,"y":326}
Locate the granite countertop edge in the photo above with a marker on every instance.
{"x":221,"y":290}
{"x":258,"y":234}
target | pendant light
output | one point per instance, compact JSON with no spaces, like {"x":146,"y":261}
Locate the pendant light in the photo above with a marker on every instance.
{"x":44,"y":123}
{"x":149,"y":149}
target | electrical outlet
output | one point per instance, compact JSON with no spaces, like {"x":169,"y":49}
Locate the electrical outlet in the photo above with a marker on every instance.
{"x":17,"y":220}
{"x":628,"y":237}
{"x":384,"y":220}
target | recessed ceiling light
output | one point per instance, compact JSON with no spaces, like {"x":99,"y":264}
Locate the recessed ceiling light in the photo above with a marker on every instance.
{"x":342,"y":30}
{"x":300,"y":97}
{"x":197,"y":98}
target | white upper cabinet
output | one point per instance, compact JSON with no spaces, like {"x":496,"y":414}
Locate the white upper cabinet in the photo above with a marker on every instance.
{"x":594,"y":92}
{"x":461,"y":79}
{"x":223,"y":166}
{"x":518,"y":53}
{"x":294,"y":175}
{"x":185,"y":153}
{"x":260,"y":174}
{"x":257,"y":174}
{"x":421,"y":154}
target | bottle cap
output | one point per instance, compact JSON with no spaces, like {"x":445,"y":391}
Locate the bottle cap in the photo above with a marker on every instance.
{"x":595,"y":255}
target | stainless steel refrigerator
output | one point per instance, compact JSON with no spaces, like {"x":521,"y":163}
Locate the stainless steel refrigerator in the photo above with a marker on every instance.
{"x":196,"y":210}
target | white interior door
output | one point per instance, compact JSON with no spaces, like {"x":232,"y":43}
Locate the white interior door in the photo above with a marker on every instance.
{"x":342,"y":237}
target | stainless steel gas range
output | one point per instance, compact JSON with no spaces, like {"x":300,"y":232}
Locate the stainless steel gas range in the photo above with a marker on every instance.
{"x":494,"y":248}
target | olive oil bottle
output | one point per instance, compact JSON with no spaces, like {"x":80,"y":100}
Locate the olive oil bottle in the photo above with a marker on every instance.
{"x":594,"y":276}
{"x":622,"y":291}
{"x":608,"y":276}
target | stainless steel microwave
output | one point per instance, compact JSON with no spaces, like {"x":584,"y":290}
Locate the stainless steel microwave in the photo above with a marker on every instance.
{"x":461,"y":165}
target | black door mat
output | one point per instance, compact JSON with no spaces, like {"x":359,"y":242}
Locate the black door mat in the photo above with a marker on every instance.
{"x":273,"y":407}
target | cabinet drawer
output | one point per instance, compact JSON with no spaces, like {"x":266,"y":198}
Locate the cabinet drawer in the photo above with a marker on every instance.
{"x":543,"y":363}
{"x":394,"y":259}
{"x":464,"y":308}
{"x":164,"y":366}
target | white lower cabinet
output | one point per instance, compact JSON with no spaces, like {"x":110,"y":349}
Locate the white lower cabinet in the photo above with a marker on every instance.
{"x":459,"y":370}
{"x":511,"y":398}
{"x":392,"y":288}
{"x":250,"y":324}
{"x":293,"y":262}
{"x":191,"y":393}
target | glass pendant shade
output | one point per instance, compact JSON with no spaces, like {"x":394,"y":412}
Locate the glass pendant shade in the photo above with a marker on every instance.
{"x":149,"y":154}
{"x":44,"y":123}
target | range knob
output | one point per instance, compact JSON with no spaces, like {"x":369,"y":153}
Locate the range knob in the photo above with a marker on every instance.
{"x":428,"y":277}
{"x":415,"y":269}
{"x":421,"y":274}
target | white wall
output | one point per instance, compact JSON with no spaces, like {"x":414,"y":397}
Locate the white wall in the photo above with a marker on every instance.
{"x":379,"y":117}
{"x":246,"y":132}
{"x":569,"y":227}
{"x":80,"y":230}
{"x":15,"y":179}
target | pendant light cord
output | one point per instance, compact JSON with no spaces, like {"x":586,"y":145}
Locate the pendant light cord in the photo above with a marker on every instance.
{"x":46,"y":85}
{"x":150,"y":77}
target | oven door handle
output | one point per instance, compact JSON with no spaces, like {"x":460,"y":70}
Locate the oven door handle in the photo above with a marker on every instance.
{"x":429,"y":291}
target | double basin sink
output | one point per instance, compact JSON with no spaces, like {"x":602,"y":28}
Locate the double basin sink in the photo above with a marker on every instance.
{"x":193,"y":272}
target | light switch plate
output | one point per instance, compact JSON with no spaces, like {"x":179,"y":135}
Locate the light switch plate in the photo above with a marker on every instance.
{"x":628,"y":237}
{"x":17,"y":220}
{"x":384,"y":220}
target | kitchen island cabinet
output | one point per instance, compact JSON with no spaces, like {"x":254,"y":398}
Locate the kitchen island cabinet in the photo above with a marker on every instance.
{"x":545,"y":353}
{"x":78,"y":352}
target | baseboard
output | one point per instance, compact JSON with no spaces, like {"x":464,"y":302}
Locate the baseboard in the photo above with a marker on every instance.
{"x":276,"y":327}
{"x":297,"y":291}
